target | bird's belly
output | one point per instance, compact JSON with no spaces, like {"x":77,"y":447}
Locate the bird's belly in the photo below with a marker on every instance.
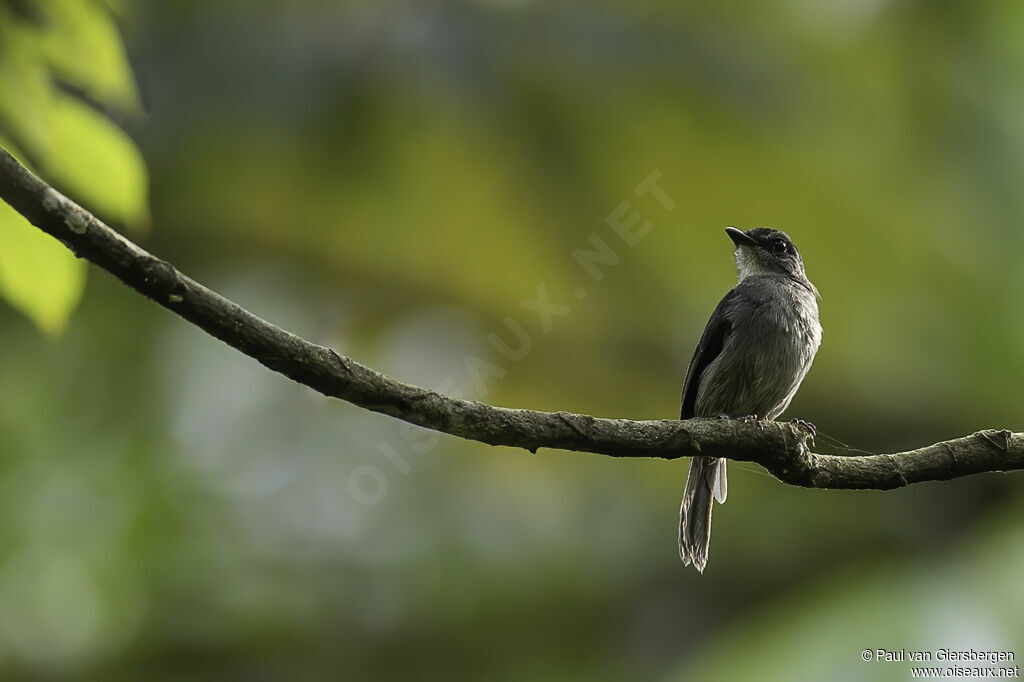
{"x":759,"y":370}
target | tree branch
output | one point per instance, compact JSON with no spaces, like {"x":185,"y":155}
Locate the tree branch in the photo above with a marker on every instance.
{"x":781,"y":448}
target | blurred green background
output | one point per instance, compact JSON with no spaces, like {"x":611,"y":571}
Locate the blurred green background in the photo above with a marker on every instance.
{"x":395,"y":179}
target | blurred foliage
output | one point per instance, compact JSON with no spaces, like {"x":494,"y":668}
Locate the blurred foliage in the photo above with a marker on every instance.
{"x":396,"y":179}
{"x":59,"y":60}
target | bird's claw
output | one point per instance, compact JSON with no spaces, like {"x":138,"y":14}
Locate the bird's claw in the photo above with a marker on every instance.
{"x":754,"y":421}
{"x":806,"y":426}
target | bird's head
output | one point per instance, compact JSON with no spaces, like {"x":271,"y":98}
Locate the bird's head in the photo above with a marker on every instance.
{"x":763,"y":251}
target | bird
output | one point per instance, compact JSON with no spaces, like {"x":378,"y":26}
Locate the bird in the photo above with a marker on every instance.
{"x":752,"y":357}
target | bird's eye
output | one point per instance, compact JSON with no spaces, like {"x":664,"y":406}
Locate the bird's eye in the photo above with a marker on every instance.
{"x":780,"y":246}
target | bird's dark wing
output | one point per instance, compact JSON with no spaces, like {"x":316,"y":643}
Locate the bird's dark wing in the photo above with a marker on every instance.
{"x":710,"y":345}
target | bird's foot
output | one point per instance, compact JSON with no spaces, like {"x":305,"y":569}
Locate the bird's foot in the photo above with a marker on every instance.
{"x":754,"y":421}
{"x":806,"y":426}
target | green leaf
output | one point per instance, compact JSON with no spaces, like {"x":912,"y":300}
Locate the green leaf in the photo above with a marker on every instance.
{"x":96,"y":163}
{"x":25,"y":87}
{"x":75,"y":146}
{"x":38,"y":276}
{"x":85,"y":49}
{"x":81,"y":151}
{"x":117,"y":7}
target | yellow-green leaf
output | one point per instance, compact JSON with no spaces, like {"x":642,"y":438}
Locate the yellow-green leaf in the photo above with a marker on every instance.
{"x":25,"y":87}
{"x":38,"y":276}
{"x":85,"y":49}
{"x":115,"y":6}
{"x":96,"y":163}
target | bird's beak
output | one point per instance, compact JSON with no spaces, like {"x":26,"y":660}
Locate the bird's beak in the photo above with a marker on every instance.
{"x":739,"y":237}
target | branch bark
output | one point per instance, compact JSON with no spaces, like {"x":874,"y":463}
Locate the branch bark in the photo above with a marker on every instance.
{"x":781,"y":448}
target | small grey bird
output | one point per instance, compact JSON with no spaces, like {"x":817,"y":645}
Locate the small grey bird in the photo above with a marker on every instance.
{"x":755,"y":351}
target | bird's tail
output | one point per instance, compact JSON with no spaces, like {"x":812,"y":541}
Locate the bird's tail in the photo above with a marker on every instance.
{"x":705,"y":483}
